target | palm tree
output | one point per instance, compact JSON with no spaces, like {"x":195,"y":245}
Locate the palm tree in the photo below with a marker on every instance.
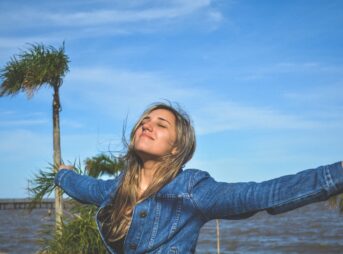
{"x":38,"y":66}
{"x":78,"y":232}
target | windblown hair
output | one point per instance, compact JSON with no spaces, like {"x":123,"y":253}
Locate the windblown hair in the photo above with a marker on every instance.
{"x":116,"y":217}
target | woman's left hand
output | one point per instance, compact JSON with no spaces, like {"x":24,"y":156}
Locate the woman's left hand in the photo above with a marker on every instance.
{"x":62,"y":166}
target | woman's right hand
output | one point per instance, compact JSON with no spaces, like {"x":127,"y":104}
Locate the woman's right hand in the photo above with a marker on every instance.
{"x":62,"y":166}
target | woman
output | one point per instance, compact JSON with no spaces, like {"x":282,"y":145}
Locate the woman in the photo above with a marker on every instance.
{"x":154,"y":206}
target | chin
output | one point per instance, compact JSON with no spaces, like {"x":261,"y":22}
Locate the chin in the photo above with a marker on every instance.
{"x":145,"y":155}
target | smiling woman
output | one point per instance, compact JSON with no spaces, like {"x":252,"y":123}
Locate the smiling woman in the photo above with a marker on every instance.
{"x":155,"y":206}
{"x":156,"y":136}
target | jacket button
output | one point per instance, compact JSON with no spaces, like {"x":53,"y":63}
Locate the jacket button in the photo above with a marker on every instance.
{"x":133,"y":246}
{"x":143,"y":214}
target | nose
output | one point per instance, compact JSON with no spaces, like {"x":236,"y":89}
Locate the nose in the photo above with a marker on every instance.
{"x":146,"y":126}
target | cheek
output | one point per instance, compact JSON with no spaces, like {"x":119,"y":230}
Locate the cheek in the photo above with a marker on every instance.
{"x":134,"y":139}
{"x":169,"y":142}
{"x":137,"y":133}
{"x":172,"y":139}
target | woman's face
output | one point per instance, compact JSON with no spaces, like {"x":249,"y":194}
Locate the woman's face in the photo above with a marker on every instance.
{"x":156,"y":135}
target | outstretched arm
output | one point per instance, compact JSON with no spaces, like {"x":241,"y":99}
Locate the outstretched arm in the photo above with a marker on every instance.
{"x":84,"y":188}
{"x":241,"y":200}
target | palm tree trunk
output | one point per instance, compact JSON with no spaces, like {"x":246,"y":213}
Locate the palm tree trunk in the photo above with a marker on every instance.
{"x":57,"y":154}
{"x":218,"y":236}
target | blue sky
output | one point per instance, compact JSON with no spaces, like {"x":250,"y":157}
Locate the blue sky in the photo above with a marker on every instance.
{"x":262,"y":81}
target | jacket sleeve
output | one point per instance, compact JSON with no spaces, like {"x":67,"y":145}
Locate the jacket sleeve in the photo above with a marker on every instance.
{"x":84,"y":189}
{"x":217,"y":200}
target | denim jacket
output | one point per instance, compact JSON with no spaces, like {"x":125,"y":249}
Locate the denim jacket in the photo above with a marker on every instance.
{"x":170,"y":220}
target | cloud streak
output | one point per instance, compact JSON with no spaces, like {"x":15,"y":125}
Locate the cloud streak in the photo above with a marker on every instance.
{"x":8,"y":123}
{"x":110,"y":15}
{"x":217,"y":116}
{"x":111,"y":91}
{"x":176,"y":10}
{"x":77,"y":20}
{"x":290,"y":68}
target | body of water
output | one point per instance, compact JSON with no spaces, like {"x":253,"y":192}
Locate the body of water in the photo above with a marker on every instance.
{"x":314,"y":229}
{"x":311,"y":229}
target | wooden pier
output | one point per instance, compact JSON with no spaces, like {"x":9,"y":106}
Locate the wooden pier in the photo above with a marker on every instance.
{"x":6,"y":204}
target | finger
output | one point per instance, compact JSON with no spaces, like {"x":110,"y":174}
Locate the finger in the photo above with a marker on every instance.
{"x":62,"y":166}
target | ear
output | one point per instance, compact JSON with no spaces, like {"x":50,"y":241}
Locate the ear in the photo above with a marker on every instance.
{"x":174,"y":151}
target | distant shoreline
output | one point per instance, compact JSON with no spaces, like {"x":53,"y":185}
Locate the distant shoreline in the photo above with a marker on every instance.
{"x":28,"y":203}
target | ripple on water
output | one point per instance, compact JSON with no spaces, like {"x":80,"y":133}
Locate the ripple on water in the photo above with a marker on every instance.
{"x":313,"y":229}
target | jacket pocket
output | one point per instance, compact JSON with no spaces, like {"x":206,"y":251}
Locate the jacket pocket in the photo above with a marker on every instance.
{"x":173,"y":250}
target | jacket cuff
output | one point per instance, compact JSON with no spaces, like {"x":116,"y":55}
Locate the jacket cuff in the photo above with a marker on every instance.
{"x":60,"y":176}
{"x":333,"y":175}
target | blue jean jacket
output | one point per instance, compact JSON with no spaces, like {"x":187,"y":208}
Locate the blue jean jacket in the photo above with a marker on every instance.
{"x":170,"y":220}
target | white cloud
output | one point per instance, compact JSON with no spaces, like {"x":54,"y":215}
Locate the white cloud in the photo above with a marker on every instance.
{"x":100,"y":17}
{"x":7,"y":112}
{"x":23,"y":122}
{"x":290,"y":67}
{"x":20,"y":145}
{"x":219,"y":115}
{"x":107,"y":14}
{"x":113,"y":91}
{"x":215,"y":16}
{"x":69,"y":21}
{"x":16,"y":119}
{"x":324,"y":94}
{"x":10,"y":46}
{"x":12,"y":118}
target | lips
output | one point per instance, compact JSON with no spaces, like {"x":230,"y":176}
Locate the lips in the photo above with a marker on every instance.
{"x":146,"y":135}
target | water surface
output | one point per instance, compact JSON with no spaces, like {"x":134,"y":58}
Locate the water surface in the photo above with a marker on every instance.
{"x":312,"y":229}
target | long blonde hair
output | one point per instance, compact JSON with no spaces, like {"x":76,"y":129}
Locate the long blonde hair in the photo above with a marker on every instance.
{"x":116,"y":217}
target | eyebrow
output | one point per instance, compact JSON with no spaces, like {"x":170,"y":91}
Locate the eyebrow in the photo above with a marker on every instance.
{"x":159,"y":118}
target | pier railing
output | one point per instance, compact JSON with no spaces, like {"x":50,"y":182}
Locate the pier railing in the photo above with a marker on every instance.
{"x":26,"y":204}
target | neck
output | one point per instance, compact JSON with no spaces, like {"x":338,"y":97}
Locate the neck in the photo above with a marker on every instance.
{"x":147,"y":174}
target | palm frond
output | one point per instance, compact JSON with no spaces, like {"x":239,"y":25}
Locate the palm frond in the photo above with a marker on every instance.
{"x":37,"y":66}
{"x":78,"y":234}
{"x":43,"y":182}
{"x":103,"y":164}
{"x":13,"y":76}
{"x":78,"y":231}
